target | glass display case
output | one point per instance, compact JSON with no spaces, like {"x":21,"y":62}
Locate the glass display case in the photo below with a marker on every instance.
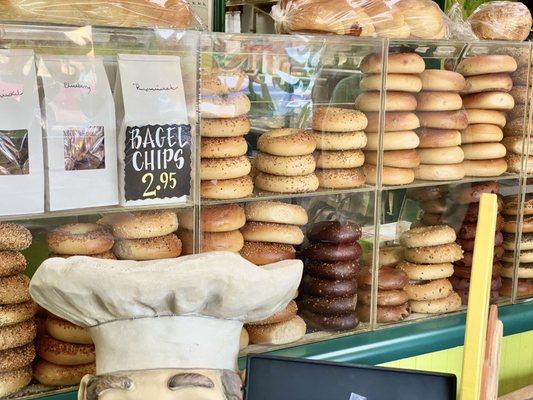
{"x":321,"y":148}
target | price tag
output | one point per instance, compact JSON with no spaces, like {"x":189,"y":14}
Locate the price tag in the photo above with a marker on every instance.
{"x":157,"y":162}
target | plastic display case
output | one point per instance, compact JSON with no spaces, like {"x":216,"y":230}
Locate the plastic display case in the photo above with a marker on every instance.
{"x":278,"y":81}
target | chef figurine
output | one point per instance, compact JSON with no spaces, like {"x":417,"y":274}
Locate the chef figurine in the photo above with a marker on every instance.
{"x":165,"y":329}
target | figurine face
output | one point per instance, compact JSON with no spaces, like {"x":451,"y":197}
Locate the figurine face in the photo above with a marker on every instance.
{"x":163,"y":384}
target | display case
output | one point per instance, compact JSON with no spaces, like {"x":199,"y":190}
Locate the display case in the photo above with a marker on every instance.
{"x":277,"y":147}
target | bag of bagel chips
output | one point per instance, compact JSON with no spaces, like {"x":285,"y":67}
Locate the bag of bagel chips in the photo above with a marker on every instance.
{"x":21,"y":148}
{"x":154,"y":139}
{"x":80,"y":141}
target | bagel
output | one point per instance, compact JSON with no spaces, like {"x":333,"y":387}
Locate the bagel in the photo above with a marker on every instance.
{"x":484,"y":151}
{"x":286,"y":184}
{"x":394,"y":101}
{"x":214,"y":147}
{"x":440,"y":306}
{"x":285,"y":314}
{"x":261,"y":253}
{"x":394,"y":121}
{"x":339,"y":159}
{"x":436,"y":138}
{"x":14,"y":289}
{"x":442,"y":81}
{"x":276,"y":212}
{"x":438,"y":101}
{"x":403,"y":140}
{"x":278,"y":333}
{"x":339,"y":141}
{"x":14,"y":313}
{"x":429,"y":290}
{"x":456,"y":120}
{"x":515,"y":127}
{"x":388,"y":278}
{"x":168,"y":246}
{"x":326,"y":288}
{"x":11,"y":263}
{"x":286,"y":142}
{"x":285,"y":166}
{"x":512,"y":204}
{"x":227,"y":106}
{"x":390,"y":255}
{"x":484,"y":168}
{"x":224,"y":127}
{"x":63,"y":353}
{"x":219,"y":218}
{"x":338,"y":270}
{"x":471,"y":193}
{"x":335,"y":119}
{"x":79,"y":239}
{"x":14,"y":237}
{"x":226,"y":189}
{"x":397,"y":63}
{"x":218,"y":81}
{"x":66,"y":331}
{"x":524,"y":288}
{"x":61,"y":375}
{"x":18,"y":357}
{"x":384,"y":313}
{"x":395,"y":82}
{"x":395,"y":158}
{"x":14,"y":380}
{"x":221,"y":241}
{"x":334,"y":232}
{"x":428,"y":236}
{"x":514,"y":144}
{"x":224,"y":168}
{"x":488,"y":83}
{"x":384,"y":298}
{"x":273,"y":233}
{"x":514,"y":163}
{"x":487,"y":64}
{"x":480,"y":116}
{"x":489,"y":101}
{"x":422,"y":194}
{"x":18,"y":334}
{"x":521,"y":77}
{"x":141,"y":224}
{"x":341,"y":178}
{"x":437,"y":206}
{"x":440,"y":172}
{"x":331,"y":252}
{"x":441,"y":155}
{"x":440,"y":254}
{"x":329,"y":305}
{"x":390,"y":175}
{"x":425,"y":272}
{"x":519,"y":94}
{"x":481,"y":133}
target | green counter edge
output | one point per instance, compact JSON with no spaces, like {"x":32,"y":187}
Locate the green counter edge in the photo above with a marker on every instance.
{"x":395,"y":342}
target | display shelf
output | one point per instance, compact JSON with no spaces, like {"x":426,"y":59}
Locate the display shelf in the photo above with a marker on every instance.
{"x":421,"y":183}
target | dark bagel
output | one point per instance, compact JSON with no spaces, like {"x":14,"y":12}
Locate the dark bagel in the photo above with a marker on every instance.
{"x":459,"y":283}
{"x":330,"y":322}
{"x":384,"y":314}
{"x":493,"y":298}
{"x":472,"y":210}
{"x":326,"y":288}
{"x":437,"y":206}
{"x":465,"y":194}
{"x":468,"y":244}
{"x":465,"y":272}
{"x":385,"y":297}
{"x":467,"y":257}
{"x":332,"y":270}
{"x":388,"y":278}
{"x":422,"y":194}
{"x":334,"y":232}
{"x":468,"y":230}
{"x":332,"y":251}
{"x":329,"y":305}
{"x":524,"y":289}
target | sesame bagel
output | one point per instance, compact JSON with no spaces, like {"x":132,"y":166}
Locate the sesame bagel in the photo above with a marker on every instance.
{"x":339,"y":141}
{"x":335,"y":119}
{"x":445,"y":305}
{"x":63,"y":353}
{"x":141,"y":224}
{"x":168,"y":246}
{"x":278,"y":333}
{"x":286,"y":142}
{"x":50,"y":374}
{"x":18,"y":334}
{"x":273,"y":233}
{"x":14,"y":237}
{"x":13,"y":381}
{"x":428,"y":236}
{"x":285,"y":314}
{"x":339,"y":159}
{"x":223,"y":147}
{"x":14,"y":313}
{"x":285,"y":166}
{"x":341,"y":178}
{"x":227,"y":106}
{"x":79,"y":239}
{"x":11,"y":263}
{"x":15,"y":358}
{"x":286,"y":184}
{"x":439,"y":254}
{"x":225,"y":127}
{"x":14,"y":289}
{"x":429,"y":290}
{"x":262,"y":253}
{"x":424,"y":272}
{"x":224,"y":168}
{"x":66,"y":331}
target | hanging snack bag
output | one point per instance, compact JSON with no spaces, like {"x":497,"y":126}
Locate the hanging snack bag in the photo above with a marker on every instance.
{"x":155,"y":135}
{"x":81,"y":168}
{"x":21,"y":148}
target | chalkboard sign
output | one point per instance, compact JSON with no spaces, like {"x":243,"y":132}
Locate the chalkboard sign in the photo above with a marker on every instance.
{"x":157,"y":161}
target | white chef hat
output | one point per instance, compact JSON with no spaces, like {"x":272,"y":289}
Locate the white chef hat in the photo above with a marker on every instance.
{"x":185,"y":312}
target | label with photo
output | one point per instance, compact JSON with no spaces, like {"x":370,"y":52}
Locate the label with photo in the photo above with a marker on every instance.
{"x":157,"y":162}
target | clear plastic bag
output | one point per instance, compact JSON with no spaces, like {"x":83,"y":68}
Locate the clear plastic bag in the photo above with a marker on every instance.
{"x":419,"y":19}
{"x":501,"y":20}
{"x":121,"y":13}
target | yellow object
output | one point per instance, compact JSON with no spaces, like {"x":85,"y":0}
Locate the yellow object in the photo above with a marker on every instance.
{"x":478,"y":299}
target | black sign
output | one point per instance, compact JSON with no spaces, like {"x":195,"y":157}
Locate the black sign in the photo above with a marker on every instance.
{"x":157,"y":162}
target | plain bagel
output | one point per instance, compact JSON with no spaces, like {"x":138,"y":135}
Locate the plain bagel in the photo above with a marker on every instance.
{"x":441,"y":155}
{"x":397,"y":63}
{"x":440,"y":172}
{"x":395,"y":158}
{"x":484,"y":151}
{"x":219,"y":218}
{"x":286,"y":142}
{"x":489,"y":101}
{"x":481,"y":133}
{"x":285,"y":314}
{"x":272,"y":232}
{"x":335,"y":119}
{"x":225,"y":189}
{"x":456,"y":120}
{"x":435,"y":138}
{"x":390,"y":176}
{"x":488,"y":83}
{"x":221,"y":241}
{"x":278,"y":333}
{"x":483,"y":168}
{"x":402,"y":140}
{"x":488,"y":64}
{"x":442,"y":81}
{"x":395,"y":82}
{"x":394,"y":101}
{"x":481,"y":116}
{"x":438,"y":101}
{"x":276,"y":212}
{"x":394,"y":121}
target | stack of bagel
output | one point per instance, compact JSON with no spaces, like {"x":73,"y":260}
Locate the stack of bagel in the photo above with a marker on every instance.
{"x":17,"y":310}
{"x":392,"y":299}
{"x":66,"y":353}
{"x":467,"y":198}
{"x":486,"y":99}
{"x":340,"y":136}
{"x":429,"y":253}
{"x":271,"y":231}
{"x":225,"y":168}
{"x":329,"y":286}
{"x":219,"y":227}
{"x":144,"y":235}
{"x":399,"y":139}
{"x":525,"y":258}
{"x":439,"y":107}
{"x":285,"y":162}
